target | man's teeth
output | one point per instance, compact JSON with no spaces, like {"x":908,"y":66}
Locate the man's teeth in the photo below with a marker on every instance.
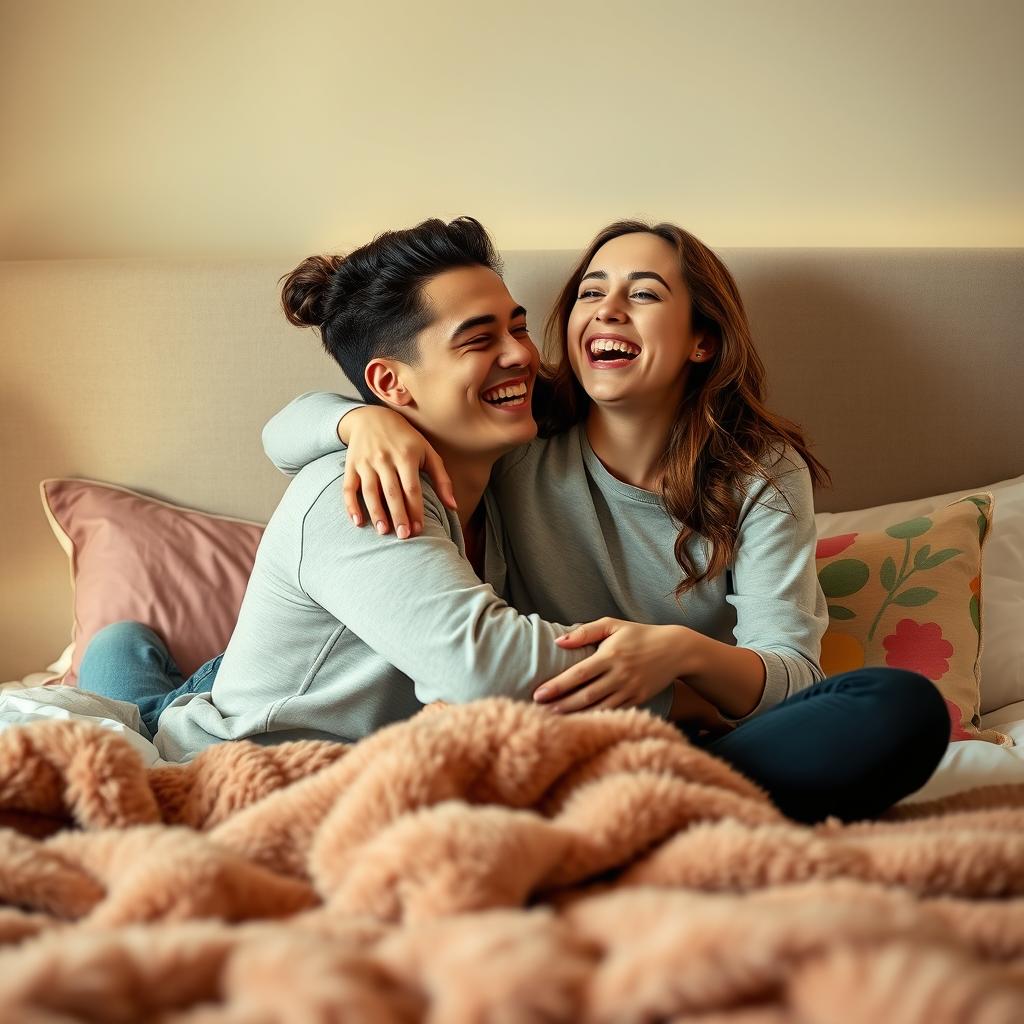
{"x":513,"y":392}
{"x":609,"y":345}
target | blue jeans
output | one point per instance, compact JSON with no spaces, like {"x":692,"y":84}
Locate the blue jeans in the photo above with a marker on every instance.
{"x":850,"y":746}
{"x":128,"y":661}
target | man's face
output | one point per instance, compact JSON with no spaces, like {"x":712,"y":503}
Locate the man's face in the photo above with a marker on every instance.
{"x":473,"y":383}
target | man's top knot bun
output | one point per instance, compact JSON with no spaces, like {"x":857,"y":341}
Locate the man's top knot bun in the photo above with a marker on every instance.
{"x":304,"y":292}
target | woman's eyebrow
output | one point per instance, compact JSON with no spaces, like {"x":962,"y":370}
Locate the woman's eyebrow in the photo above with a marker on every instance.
{"x":639,"y":274}
{"x":636,"y":275}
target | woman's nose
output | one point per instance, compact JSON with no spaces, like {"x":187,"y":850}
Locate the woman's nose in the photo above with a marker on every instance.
{"x":610,"y":311}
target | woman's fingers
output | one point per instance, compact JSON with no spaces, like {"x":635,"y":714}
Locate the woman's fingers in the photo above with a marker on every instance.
{"x":611,"y":702}
{"x":410,"y":479}
{"x":391,"y":485}
{"x":588,"y":633}
{"x":374,"y":502}
{"x":393,"y":498}
{"x":584,"y":698}
{"x":350,"y":490}
{"x":433,"y":465}
{"x":569,"y":680}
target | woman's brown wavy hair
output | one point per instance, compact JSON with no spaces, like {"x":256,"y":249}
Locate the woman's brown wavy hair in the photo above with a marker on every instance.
{"x":723,"y":430}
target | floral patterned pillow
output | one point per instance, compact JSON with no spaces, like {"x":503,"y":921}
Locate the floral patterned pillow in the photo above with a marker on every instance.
{"x":910,"y":597}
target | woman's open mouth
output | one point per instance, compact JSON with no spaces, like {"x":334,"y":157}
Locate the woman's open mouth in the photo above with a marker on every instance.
{"x":610,"y":353}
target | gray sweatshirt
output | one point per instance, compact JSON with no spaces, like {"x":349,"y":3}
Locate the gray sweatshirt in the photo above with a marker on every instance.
{"x":342,"y":631}
{"x":580,"y":544}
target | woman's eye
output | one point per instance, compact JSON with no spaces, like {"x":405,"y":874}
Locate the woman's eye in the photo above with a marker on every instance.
{"x":521,"y":329}
{"x":644,"y":295}
{"x":589,"y":293}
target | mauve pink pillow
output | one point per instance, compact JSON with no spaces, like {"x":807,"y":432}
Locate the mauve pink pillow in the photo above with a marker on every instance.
{"x":181,"y":572}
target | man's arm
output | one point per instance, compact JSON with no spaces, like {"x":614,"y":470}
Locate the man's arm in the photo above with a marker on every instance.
{"x":419,"y":605}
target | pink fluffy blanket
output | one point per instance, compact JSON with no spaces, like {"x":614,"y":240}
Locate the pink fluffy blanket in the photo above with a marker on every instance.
{"x":488,"y":862}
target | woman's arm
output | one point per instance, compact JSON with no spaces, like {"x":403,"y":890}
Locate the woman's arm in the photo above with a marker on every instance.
{"x":689,"y":706}
{"x":634,"y":661}
{"x":385,"y":457}
{"x":781,"y":612}
{"x":781,"y":616}
{"x":731,"y":679}
{"x":306,"y":429}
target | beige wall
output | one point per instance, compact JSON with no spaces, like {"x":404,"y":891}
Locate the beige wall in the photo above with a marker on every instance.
{"x":198,"y":129}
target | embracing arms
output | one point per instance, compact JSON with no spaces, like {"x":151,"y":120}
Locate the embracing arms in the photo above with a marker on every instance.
{"x":780,"y":610}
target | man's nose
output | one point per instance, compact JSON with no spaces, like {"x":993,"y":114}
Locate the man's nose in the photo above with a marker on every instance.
{"x":517,"y":351}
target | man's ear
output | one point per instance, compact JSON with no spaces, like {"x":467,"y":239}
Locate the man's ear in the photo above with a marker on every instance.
{"x":384,"y":378}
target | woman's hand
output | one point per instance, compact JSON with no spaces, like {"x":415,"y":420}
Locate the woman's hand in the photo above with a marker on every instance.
{"x":689,"y":706}
{"x":385,"y":456}
{"x":633,"y":662}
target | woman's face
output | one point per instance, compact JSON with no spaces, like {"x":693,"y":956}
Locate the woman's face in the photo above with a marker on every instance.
{"x":630,"y":335}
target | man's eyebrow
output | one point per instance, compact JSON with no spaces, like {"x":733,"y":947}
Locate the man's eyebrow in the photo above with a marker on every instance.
{"x":482,"y":321}
{"x":636,"y":275}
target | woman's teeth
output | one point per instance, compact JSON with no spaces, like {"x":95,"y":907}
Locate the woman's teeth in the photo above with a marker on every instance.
{"x":514,"y":395}
{"x":600,"y":345}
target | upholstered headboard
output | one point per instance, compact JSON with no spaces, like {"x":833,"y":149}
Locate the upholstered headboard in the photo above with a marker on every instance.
{"x":905,"y":367}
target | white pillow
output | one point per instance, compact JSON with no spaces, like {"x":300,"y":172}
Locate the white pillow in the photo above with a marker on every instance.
{"x":1002,"y":578}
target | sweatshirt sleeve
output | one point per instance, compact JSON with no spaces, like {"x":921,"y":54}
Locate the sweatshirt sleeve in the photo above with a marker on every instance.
{"x":781,"y":611}
{"x":306,"y":429}
{"x":419,"y":605}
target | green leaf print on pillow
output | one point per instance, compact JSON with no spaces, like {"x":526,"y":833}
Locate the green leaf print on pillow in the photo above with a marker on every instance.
{"x":915,"y":596}
{"x":976,"y":603}
{"x":843,"y":578}
{"x":893,"y":579}
{"x":983,"y":505}
{"x":910,"y":529}
{"x":838,"y":611}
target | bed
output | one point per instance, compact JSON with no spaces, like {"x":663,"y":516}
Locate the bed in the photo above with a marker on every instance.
{"x":903,"y":367}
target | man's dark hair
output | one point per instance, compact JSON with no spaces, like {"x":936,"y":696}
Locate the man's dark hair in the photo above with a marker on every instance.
{"x":369,"y":304}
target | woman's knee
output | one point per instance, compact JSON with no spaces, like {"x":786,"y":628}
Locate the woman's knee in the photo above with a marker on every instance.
{"x":911,"y":700}
{"x":911,"y":688}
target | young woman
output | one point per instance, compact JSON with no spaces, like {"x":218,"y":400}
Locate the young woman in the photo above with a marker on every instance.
{"x":664,"y":492}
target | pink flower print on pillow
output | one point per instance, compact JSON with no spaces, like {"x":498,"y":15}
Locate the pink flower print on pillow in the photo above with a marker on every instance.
{"x":956,"y":721}
{"x":919,"y":647}
{"x":829,"y":546}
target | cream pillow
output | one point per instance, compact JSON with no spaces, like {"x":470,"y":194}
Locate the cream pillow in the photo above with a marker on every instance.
{"x":909,"y":596}
{"x":1002,"y":655}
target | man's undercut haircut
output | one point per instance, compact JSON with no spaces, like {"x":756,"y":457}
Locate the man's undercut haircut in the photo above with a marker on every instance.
{"x":370,"y":304}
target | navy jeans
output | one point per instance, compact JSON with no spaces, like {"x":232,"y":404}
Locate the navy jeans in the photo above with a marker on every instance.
{"x":128,"y":661}
{"x":850,"y":746}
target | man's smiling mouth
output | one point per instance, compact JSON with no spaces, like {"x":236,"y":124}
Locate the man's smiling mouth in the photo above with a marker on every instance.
{"x":508,"y":395}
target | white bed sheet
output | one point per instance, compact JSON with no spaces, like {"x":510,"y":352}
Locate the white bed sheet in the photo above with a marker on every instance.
{"x":970,"y":763}
{"x":966,"y":764}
